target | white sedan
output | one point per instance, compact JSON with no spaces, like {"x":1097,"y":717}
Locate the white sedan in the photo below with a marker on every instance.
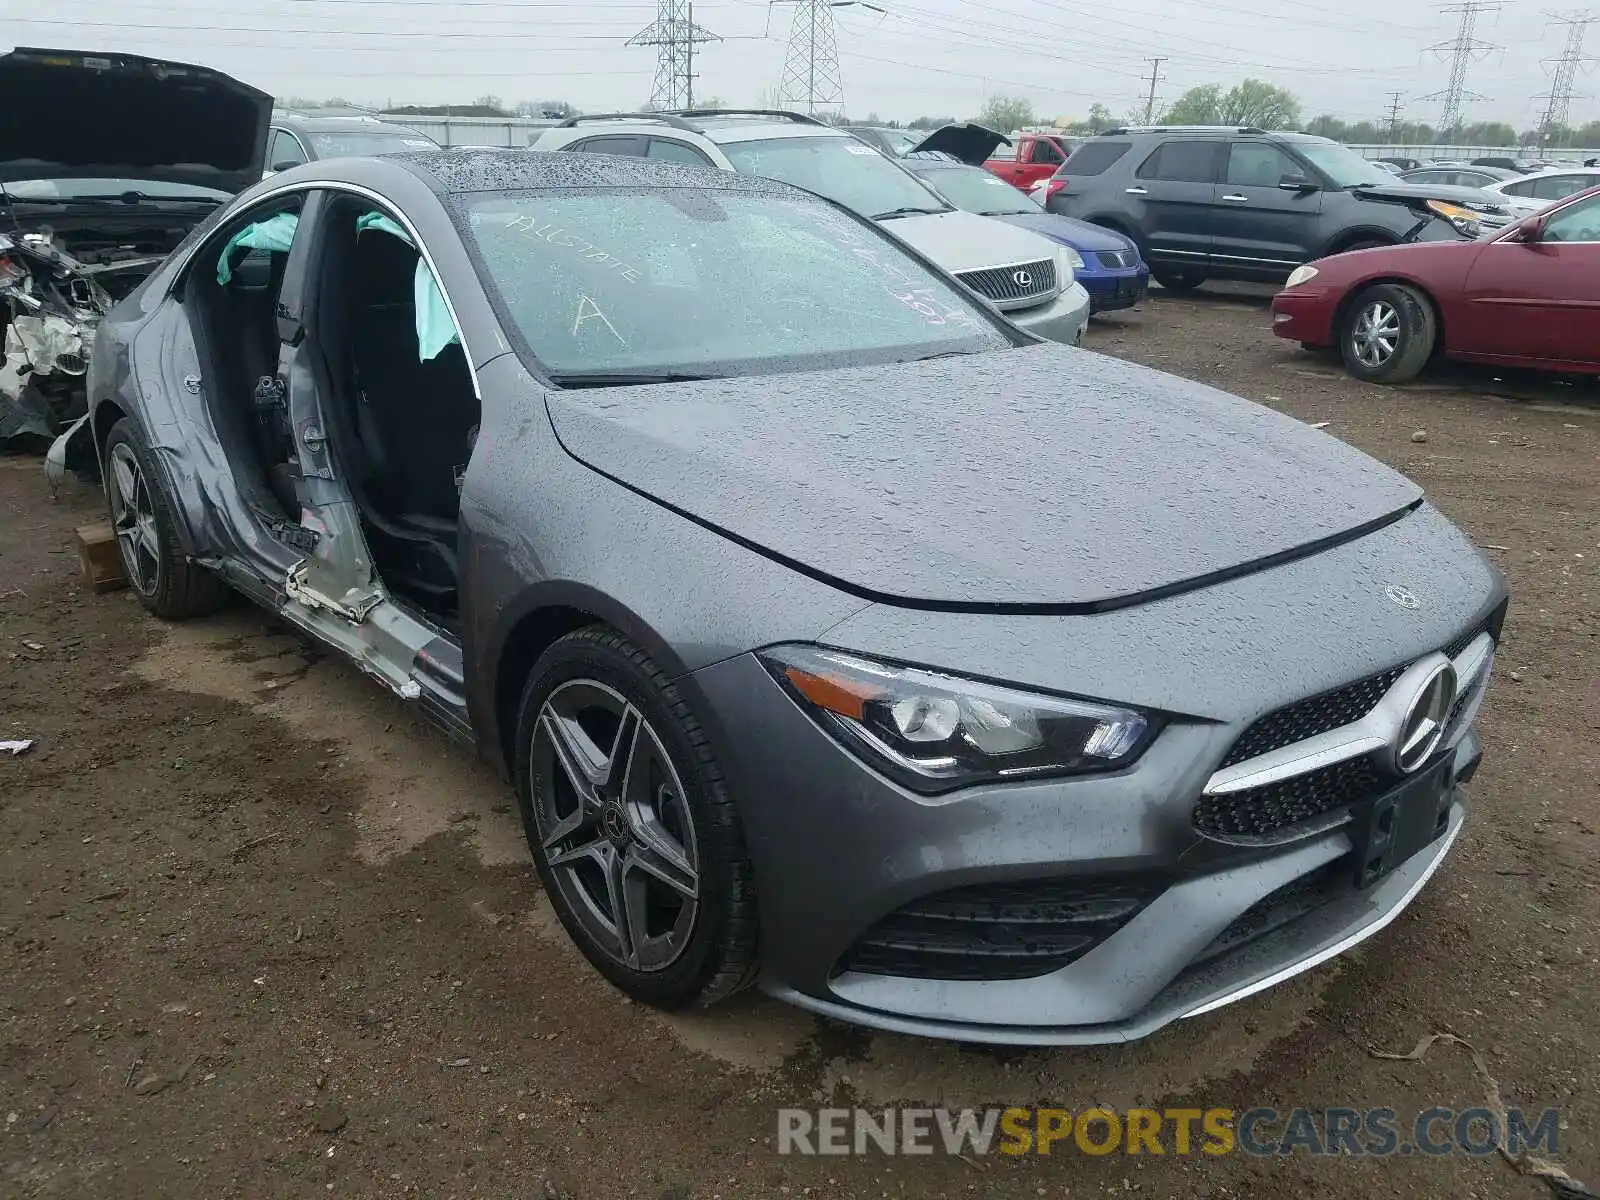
{"x":1528,"y":194}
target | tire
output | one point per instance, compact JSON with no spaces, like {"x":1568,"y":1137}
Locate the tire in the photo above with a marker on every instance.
{"x":1176,"y":279}
{"x":677,"y":825}
{"x":166,"y":582}
{"x":1387,"y":334}
{"x":1363,"y":244}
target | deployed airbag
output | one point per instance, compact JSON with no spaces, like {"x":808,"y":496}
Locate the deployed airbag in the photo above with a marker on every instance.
{"x":275,"y":233}
{"x":435,"y":329}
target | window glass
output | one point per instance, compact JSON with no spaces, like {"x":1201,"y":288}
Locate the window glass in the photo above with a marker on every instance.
{"x":840,"y":168}
{"x":1339,"y":163}
{"x":284,"y":150}
{"x":979,"y":191}
{"x":1259,"y":164}
{"x":1559,"y":187}
{"x":1522,"y":187}
{"x":359,"y":145}
{"x":1092,"y":158}
{"x":1579,"y":222}
{"x":709,"y":282}
{"x":1044,"y":152}
{"x":671,"y":151}
{"x":1187,"y":161}
{"x":610,"y":145}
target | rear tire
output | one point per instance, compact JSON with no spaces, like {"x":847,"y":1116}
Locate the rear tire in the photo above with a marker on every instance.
{"x":166,"y":582}
{"x":636,"y":840}
{"x":1176,"y":279}
{"x":1363,"y":244}
{"x":1387,"y":334}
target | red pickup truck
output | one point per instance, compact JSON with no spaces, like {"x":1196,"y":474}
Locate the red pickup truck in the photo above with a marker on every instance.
{"x":1033,"y":156}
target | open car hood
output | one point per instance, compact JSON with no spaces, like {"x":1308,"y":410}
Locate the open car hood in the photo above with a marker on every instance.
{"x":1400,"y":190}
{"x":969,"y":142}
{"x":66,"y":114}
{"x":1042,"y":478}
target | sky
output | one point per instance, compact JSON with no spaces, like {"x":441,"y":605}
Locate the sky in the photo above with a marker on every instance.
{"x":933,"y":57}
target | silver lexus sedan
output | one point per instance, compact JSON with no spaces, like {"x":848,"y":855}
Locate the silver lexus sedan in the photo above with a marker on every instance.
{"x":839,"y":637}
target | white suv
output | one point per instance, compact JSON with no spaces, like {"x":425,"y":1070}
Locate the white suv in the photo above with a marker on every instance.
{"x":1025,"y":276}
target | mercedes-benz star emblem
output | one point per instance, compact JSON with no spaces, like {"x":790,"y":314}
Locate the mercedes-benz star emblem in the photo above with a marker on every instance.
{"x":1403,"y":596}
{"x":1022,"y":279}
{"x":1425,"y":718}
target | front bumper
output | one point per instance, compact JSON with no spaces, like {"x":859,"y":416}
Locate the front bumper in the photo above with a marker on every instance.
{"x":1305,"y":314}
{"x":1064,"y":319}
{"x":1113,"y":290}
{"x":838,"y":848}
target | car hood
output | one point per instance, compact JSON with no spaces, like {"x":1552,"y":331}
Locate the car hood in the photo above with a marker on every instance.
{"x":1041,"y":478}
{"x":1080,"y":235}
{"x":959,"y":241}
{"x":970,"y":142}
{"x":64,"y":114}
{"x":1400,"y":190}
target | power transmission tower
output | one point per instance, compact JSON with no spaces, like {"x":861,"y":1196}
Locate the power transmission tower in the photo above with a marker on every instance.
{"x":1150,"y":101}
{"x":811,"y":75}
{"x":1462,"y":52}
{"x":675,"y":35}
{"x":1393,"y":119}
{"x":1559,"y":104}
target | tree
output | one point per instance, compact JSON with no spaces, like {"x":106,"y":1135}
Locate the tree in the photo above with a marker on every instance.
{"x":493,"y":102}
{"x":1006,"y":113}
{"x":549,"y":109}
{"x":1257,"y":102}
{"x":1198,"y":106}
{"x":1100,"y":119}
{"x":1327,"y":126}
{"x":931,"y":122}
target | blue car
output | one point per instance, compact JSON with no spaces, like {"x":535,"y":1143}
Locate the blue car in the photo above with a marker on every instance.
{"x":1111,"y":269}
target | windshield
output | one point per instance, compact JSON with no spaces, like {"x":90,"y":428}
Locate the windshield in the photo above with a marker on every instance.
{"x":605,"y":281}
{"x":75,"y":189}
{"x":840,"y":168}
{"x":979,"y":191}
{"x":356,"y":145}
{"x":1342,"y":165}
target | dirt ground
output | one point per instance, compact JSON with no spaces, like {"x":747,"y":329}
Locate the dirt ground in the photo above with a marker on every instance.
{"x":263,"y":933}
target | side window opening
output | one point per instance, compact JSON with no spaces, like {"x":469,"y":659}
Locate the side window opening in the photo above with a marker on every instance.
{"x":285,"y":151}
{"x":1044,"y":152}
{"x":231,"y":290}
{"x":1182,"y":161}
{"x":402,"y":412}
{"x":1259,"y":164}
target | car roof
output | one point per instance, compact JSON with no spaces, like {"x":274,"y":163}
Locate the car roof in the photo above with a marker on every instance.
{"x":1548,"y":171}
{"x":491,"y":170}
{"x":316,"y":124}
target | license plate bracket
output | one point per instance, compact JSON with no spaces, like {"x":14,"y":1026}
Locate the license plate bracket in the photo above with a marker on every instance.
{"x":1401,"y":822}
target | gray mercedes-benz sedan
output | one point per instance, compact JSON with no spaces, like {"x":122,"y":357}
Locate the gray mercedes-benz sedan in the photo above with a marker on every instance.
{"x":838,"y":637}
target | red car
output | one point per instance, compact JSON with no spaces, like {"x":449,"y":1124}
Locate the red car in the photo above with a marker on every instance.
{"x":1031,"y":158}
{"x":1528,"y":298}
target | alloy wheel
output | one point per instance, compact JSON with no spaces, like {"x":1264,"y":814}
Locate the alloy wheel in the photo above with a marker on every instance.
{"x":1376,"y":333}
{"x":614,"y":825}
{"x":133,"y":520}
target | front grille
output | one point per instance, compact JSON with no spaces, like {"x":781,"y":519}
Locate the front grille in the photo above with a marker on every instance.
{"x":1004,"y":285}
{"x":1267,"y":811}
{"x":1113,"y":259}
{"x":998,"y":931}
{"x":1276,"y":909}
{"x":1307,"y":718}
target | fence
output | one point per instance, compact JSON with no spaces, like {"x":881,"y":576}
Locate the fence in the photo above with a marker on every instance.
{"x":1468,"y":153}
{"x":476,"y":131}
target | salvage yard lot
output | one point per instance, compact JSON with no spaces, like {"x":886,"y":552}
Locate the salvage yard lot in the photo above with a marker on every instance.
{"x":264,"y":933}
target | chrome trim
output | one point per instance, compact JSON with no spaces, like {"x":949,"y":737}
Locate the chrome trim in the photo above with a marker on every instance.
{"x":181,"y":268}
{"x":1378,"y":729}
{"x":1350,"y":940}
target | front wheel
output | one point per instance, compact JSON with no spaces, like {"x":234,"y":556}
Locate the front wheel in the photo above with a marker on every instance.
{"x":166,"y":582}
{"x":1387,"y":334}
{"x":634,"y":835}
{"x":1176,"y":279}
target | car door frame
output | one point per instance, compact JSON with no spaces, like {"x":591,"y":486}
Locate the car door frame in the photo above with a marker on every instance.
{"x":1293,"y":213}
{"x":272,"y":134}
{"x":1185,"y":240}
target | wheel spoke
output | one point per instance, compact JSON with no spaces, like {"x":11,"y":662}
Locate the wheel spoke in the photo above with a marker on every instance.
{"x":585,"y":764}
{"x":668,"y":868}
{"x":581,"y":818}
{"x":626,"y":899}
{"x":595,"y":851}
{"x":624,"y":752}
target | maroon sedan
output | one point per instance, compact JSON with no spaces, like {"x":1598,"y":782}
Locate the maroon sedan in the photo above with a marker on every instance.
{"x":1528,"y":298}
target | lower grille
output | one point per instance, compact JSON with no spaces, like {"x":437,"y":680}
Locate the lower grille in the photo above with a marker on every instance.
{"x":1011,"y":285}
{"x":998,"y":931}
{"x":1277,"y":909}
{"x":1266,"y":812}
{"x":1115,"y":259}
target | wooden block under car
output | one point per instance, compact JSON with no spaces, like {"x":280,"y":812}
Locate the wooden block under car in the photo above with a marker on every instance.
{"x":97,"y":552}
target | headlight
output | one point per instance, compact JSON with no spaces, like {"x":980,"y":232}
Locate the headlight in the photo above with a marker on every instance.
{"x":1464,"y":219}
{"x":1068,"y":263}
{"x":935,"y":732}
{"x":1301,"y":275}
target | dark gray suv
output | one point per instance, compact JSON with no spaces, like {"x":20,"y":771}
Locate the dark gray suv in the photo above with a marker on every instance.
{"x":1207,"y":202}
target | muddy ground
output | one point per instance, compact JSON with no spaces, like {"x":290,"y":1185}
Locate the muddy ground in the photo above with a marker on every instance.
{"x":263,"y":933}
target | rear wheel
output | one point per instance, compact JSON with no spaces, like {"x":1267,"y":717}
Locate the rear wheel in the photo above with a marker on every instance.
{"x":1387,"y":334}
{"x":1177,"y":279}
{"x":166,"y":582}
{"x":1364,"y":244}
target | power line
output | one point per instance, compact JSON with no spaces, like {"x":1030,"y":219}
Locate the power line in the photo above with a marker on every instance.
{"x":675,"y":35}
{"x":1155,"y":78}
{"x":1463,"y":52}
{"x":1559,"y":105}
